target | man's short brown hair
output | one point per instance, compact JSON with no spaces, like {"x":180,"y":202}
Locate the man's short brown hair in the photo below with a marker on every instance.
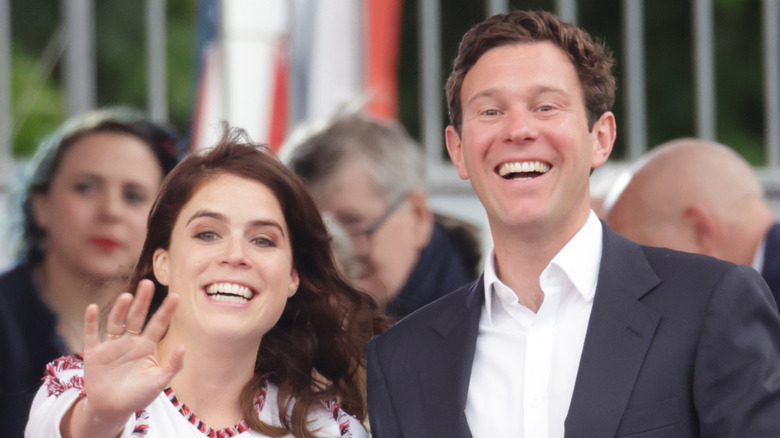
{"x":591,"y":58}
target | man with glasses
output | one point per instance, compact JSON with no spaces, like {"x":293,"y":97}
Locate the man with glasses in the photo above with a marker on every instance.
{"x":369,"y":176}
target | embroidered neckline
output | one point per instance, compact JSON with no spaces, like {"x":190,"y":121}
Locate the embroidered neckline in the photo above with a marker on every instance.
{"x":57,"y":387}
{"x":206,"y":430}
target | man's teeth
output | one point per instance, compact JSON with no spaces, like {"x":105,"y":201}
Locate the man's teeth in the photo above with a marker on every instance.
{"x":233,"y":293}
{"x":516,"y":170}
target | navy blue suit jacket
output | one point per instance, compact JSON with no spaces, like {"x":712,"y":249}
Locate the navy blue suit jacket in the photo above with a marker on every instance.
{"x":678,"y":345}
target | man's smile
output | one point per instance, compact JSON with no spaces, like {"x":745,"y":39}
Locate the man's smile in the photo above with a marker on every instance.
{"x":523,"y":170}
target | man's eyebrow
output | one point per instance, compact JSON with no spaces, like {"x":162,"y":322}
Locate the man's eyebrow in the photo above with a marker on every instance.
{"x":490,"y":92}
{"x":539,"y":89}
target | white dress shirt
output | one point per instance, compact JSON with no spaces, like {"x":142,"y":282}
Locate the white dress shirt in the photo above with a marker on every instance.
{"x":526,"y":363}
{"x":758,"y":259}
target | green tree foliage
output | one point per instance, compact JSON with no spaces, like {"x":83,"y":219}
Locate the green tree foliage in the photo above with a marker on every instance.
{"x":38,"y":104}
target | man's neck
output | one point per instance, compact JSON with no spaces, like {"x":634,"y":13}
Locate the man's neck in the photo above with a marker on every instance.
{"x":522,"y":255}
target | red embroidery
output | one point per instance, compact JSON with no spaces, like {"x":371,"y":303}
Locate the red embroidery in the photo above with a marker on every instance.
{"x":54,"y":385}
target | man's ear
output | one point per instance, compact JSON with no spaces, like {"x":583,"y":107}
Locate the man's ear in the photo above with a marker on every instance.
{"x":455,"y":149}
{"x":604,"y":132}
{"x":423,"y":218}
{"x":706,"y":230}
{"x":161,"y":266}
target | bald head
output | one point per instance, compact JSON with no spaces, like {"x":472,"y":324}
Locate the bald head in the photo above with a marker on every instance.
{"x":691,"y":195}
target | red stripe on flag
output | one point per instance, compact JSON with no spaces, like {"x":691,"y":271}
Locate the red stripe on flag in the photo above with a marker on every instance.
{"x":381,"y":77}
{"x":278,"y":128}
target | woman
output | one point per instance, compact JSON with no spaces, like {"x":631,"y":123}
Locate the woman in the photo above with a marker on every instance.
{"x":254,"y":331}
{"x":85,"y":203}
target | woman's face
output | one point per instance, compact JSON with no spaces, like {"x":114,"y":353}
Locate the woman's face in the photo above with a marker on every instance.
{"x":230,"y":260}
{"x":95,"y":211}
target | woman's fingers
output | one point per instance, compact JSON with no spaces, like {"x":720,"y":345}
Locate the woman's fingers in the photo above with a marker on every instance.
{"x":134,"y":323}
{"x":159,"y":322}
{"x":91,"y":337}
{"x":128,"y":315}
{"x":115,"y":325}
{"x":174,"y":363}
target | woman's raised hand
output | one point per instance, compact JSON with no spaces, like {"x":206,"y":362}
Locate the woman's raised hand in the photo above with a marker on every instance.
{"x":121,"y":373}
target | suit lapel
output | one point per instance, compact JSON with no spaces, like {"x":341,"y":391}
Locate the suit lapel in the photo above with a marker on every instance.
{"x":619,"y":333}
{"x":447,"y":378}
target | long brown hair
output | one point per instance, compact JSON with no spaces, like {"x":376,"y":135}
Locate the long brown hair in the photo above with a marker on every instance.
{"x":316,"y":350}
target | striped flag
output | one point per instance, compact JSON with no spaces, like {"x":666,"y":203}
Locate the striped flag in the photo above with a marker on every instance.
{"x":266,"y":66}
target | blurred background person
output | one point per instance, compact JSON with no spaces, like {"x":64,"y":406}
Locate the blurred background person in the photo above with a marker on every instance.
{"x":84,"y":205}
{"x":369,"y":175}
{"x":702,"y":197}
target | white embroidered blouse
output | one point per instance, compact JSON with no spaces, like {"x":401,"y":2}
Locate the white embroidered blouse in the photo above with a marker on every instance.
{"x":166,"y":416}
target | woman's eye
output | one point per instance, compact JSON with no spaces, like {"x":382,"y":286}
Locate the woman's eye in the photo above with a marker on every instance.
{"x":85,"y":188}
{"x":135,"y":196}
{"x":206,"y":236}
{"x":263,"y":242}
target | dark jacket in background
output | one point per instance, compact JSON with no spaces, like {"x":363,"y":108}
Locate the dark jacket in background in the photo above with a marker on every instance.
{"x":451,"y":260}
{"x":28,"y":342}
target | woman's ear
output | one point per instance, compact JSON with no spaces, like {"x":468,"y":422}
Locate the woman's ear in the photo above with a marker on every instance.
{"x":161,"y":266}
{"x":295,"y":281}
{"x":41,"y":210}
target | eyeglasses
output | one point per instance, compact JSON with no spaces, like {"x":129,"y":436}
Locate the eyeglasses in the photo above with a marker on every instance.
{"x":368,"y":231}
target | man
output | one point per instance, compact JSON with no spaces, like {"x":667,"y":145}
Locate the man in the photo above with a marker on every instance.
{"x":369,"y":175}
{"x":698,"y":196}
{"x":573,"y":330}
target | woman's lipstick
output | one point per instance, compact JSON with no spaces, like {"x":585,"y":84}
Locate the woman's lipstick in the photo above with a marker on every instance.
{"x":105,"y":244}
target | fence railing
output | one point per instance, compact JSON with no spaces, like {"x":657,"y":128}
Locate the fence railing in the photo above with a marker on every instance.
{"x":634,"y":81}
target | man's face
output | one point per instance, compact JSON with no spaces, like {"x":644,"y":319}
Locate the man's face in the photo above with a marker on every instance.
{"x":385,"y":236}
{"x":525,"y":143}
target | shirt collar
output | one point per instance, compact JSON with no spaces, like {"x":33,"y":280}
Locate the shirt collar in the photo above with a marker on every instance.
{"x":758,"y":259}
{"x":579,"y":260}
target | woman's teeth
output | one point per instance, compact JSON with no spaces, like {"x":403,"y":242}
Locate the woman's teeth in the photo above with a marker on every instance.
{"x":229,"y":292}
